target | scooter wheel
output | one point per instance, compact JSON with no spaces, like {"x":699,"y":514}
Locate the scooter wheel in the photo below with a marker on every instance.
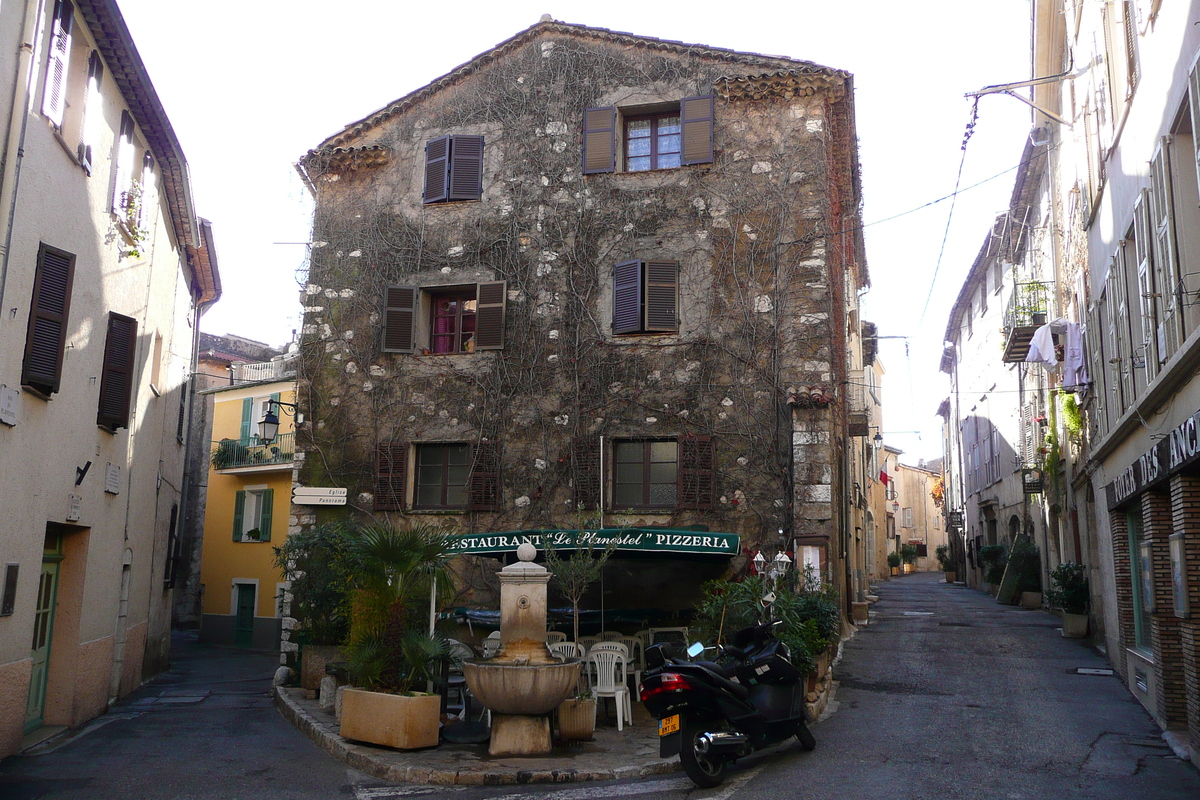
{"x":704,"y":770}
{"x":804,"y":736}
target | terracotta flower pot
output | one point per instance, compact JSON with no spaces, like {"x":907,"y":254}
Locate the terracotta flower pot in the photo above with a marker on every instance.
{"x":392,"y":720}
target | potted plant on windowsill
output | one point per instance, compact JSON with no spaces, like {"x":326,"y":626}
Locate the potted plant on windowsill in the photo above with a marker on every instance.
{"x":390,"y":653}
{"x":1069,"y":592}
{"x":947,"y":561}
{"x":893,"y":560}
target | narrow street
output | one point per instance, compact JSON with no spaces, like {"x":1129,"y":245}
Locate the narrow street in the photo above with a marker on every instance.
{"x":945,"y":694}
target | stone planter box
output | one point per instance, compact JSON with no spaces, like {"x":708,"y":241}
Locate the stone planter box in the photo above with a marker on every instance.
{"x":391,"y":720}
{"x":951,"y":577}
{"x":576,"y":720}
{"x":859,"y":612}
{"x":313,"y":658}
{"x":1031,"y":600}
{"x":1075,"y":626}
{"x":895,"y":570}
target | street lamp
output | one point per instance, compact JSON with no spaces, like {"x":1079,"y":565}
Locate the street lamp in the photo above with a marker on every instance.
{"x":779,"y":566}
{"x":877,"y":440}
{"x":268,"y":426}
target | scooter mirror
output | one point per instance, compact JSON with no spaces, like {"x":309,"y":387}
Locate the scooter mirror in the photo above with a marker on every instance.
{"x":695,"y":649}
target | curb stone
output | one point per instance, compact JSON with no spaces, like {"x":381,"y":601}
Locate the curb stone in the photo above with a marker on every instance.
{"x":363,"y":759}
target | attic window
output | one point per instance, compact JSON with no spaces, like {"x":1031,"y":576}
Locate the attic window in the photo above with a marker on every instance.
{"x":453,"y":169}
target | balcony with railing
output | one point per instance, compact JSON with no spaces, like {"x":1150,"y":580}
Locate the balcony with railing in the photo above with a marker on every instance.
{"x":858,"y":402}
{"x":254,"y":455}
{"x":276,"y":369}
{"x":1027,"y":311}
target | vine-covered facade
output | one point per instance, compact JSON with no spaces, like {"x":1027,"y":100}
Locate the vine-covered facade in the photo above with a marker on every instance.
{"x":592,"y":280}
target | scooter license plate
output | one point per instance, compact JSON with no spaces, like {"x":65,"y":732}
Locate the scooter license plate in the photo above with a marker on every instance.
{"x":668,"y":725}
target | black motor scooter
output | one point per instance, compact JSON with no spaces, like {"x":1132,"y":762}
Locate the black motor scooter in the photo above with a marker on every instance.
{"x":711,"y":714}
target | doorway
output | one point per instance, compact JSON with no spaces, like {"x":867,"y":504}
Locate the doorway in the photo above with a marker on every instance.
{"x":243,"y":631}
{"x":43,"y":628}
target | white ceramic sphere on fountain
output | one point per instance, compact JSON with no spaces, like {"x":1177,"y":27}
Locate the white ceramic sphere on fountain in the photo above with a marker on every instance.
{"x":526,"y":552}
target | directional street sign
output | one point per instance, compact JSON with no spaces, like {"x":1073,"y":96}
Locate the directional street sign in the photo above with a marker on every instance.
{"x":318,"y":496}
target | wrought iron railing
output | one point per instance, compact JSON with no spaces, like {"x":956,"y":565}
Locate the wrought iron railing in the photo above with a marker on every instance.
{"x":1029,"y":305}
{"x":253,"y":452}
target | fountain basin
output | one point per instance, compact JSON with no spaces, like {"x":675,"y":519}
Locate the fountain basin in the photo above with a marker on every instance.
{"x":507,"y":687}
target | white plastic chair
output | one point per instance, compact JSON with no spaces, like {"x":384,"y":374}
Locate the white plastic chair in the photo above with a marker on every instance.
{"x":491,"y":645}
{"x":555,"y":636}
{"x":609,"y":667}
{"x":636,"y":658}
{"x":607,"y":647}
{"x":611,"y":636}
{"x":586,"y":642}
{"x":567,"y":649}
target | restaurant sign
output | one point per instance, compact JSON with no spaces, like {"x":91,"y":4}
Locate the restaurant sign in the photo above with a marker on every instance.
{"x":1171,"y":454}
{"x":645,"y":540}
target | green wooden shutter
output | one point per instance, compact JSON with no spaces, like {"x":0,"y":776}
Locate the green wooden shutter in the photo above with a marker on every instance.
{"x":266,"y":509}
{"x":696,"y":118}
{"x":247,"y":413}
{"x":599,"y":140}
{"x":489,"y":315}
{"x":239,"y":511}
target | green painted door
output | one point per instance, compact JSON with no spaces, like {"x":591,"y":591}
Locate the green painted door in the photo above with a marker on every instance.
{"x":43,"y":622}
{"x":243,"y":633}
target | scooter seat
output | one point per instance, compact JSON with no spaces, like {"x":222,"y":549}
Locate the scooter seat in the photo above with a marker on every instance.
{"x":719,"y":678}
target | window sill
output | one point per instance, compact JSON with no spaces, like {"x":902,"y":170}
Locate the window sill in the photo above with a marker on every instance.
{"x":438,"y":511}
{"x":37,"y":392}
{"x":70,"y":151}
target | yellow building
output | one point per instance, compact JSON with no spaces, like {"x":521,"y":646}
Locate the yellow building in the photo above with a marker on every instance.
{"x":249,"y":497}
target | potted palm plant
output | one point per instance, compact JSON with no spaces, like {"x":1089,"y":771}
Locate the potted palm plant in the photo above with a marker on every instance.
{"x":573,"y":576}
{"x":390,"y":652}
{"x":946,"y":560}
{"x":1069,"y":592}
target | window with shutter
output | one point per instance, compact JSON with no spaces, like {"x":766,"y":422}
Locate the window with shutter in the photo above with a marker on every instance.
{"x":697,"y":472}
{"x":1166,"y":257}
{"x":93,"y":115}
{"x":46,"y":336}
{"x":585,"y":473}
{"x":172,"y":550}
{"x":646,"y":474}
{"x":116,"y":378}
{"x":391,"y":470}
{"x":645,"y":297}
{"x":1148,"y":305}
{"x":697,"y":118}
{"x":123,"y":182}
{"x":54,"y":97}
{"x":266,"y":511}
{"x":247,"y":428}
{"x":443,"y":476}
{"x":239,"y":514}
{"x":485,"y":477}
{"x":599,"y":140}
{"x":253,"y":512}
{"x":184,"y":395}
{"x":453,"y":169}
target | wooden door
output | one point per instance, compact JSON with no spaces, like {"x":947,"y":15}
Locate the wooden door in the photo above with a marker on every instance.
{"x":43,"y":623}
{"x":243,"y":635}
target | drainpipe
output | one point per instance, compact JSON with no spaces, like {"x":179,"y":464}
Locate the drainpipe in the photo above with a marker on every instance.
{"x":14,"y":144}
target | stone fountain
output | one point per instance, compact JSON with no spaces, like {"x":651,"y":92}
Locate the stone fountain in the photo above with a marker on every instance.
{"x":524,"y":681}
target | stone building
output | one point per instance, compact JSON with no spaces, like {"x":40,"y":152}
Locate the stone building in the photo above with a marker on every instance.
{"x":105,"y":270}
{"x":593,"y":281}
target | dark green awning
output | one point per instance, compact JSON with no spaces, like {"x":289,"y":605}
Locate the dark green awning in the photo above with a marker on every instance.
{"x":631,"y":540}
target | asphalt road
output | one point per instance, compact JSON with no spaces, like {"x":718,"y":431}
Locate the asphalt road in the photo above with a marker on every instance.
{"x":944,"y":695}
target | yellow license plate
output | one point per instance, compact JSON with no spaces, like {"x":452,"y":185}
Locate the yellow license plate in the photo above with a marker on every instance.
{"x":669,"y":725}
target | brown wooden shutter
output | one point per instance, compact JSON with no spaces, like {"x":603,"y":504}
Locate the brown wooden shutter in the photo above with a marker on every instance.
{"x":437,"y":169}
{"x":466,"y":168}
{"x":47,"y":333}
{"x":116,"y":379}
{"x":627,"y":297}
{"x":391,"y":470}
{"x":599,"y":140}
{"x":696,"y":116}
{"x":400,"y":318}
{"x":54,"y":97}
{"x":662,"y":296}
{"x":586,"y":480}
{"x":697,"y":473}
{"x":484,"y":492}
{"x":490,"y":299}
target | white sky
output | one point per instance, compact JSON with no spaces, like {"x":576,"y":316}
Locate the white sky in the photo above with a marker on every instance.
{"x":250,"y":86}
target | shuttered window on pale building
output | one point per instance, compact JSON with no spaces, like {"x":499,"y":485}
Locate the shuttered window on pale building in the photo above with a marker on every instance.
{"x":46,"y":336}
{"x":645,"y":297}
{"x":54,"y":97}
{"x":116,"y":378}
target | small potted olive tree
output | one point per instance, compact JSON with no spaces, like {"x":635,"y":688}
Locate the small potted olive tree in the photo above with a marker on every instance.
{"x":1070,"y":593}
{"x":947,"y":561}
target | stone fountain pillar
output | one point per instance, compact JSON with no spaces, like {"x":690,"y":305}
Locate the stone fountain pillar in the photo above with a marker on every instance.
{"x":523,"y":682}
